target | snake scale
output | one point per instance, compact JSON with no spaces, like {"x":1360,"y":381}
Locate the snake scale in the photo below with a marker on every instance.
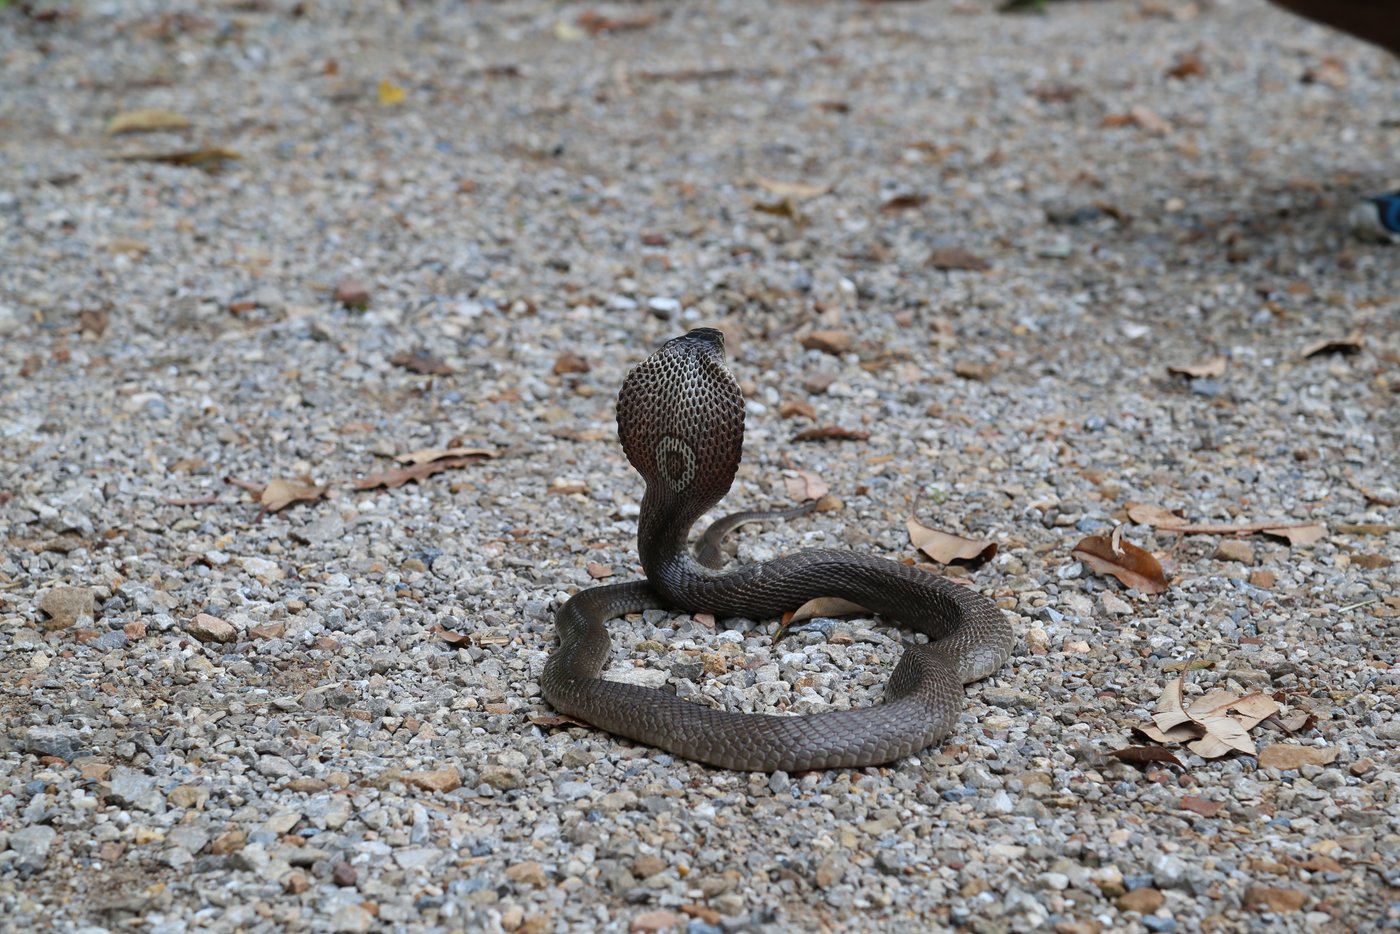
{"x":680,"y":418}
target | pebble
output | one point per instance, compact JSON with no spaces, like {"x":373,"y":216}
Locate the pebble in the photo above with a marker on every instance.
{"x":31,"y":846}
{"x":208,"y":628}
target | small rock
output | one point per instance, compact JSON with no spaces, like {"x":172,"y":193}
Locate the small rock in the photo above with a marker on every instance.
{"x":1234,"y":549}
{"x":188,"y":796}
{"x":1144,"y":901}
{"x":296,"y":883}
{"x":1115,"y":605}
{"x":1269,"y":898}
{"x":344,"y":875}
{"x":502,"y":777}
{"x":829,"y":341}
{"x":443,"y":780}
{"x":275,"y":767}
{"x":352,"y":293}
{"x":129,"y":786}
{"x":417,"y":857}
{"x":52,"y":741}
{"x":644,"y":867}
{"x":529,"y":872}
{"x":65,"y":605}
{"x":1262,"y":579}
{"x":1361,"y":766}
{"x":32,"y":845}
{"x":831,"y":870}
{"x":659,"y":920}
{"x":229,"y":842}
{"x":208,"y":628}
{"x":351,"y":919}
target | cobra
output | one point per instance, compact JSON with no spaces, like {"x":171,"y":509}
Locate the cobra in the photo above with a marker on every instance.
{"x":680,"y":419}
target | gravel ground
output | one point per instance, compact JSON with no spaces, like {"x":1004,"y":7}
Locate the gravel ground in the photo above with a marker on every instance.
{"x":326,"y":717}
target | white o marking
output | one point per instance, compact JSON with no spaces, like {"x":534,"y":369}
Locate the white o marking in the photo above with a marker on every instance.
{"x":669,"y":445}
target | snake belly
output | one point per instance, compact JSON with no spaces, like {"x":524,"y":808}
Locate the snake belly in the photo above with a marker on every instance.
{"x":680,"y":418}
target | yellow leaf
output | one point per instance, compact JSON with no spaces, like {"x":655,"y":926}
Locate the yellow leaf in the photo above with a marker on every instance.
{"x":390,"y":93}
{"x":146,"y":120}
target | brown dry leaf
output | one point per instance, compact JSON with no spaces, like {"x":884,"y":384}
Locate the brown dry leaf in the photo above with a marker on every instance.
{"x":1371,"y":562}
{"x":1286,"y":756}
{"x":824,"y":608}
{"x":398,"y":476}
{"x":1297,"y":534}
{"x":427,"y":455}
{"x":1249,"y":710}
{"x":947,"y":548}
{"x":595,"y":23}
{"x":1144,"y":755}
{"x":94,"y":321}
{"x":803,"y":485}
{"x":967,"y":369}
{"x":791,"y":408}
{"x":1188,"y":65}
{"x":146,"y":120}
{"x":598,"y":571}
{"x":831,"y":433}
{"x":566,"y":488}
{"x":1215,"y":724}
{"x":787,"y":191}
{"x":1132,"y":566}
{"x":422,"y":362}
{"x":452,"y":636}
{"x":955,"y":257}
{"x":1349,"y":344}
{"x":1155,"y":516}
{"x":278,"y":494}
{"x":541,"y":719}
{"x":569,"y":362}
{"x":902,"y":203}
{"x":1275,"y":900}
{"x":1202,"y":806}
{"x":1213,"y":367}
{"x":787,"y":207}
{"x":199,"y":158}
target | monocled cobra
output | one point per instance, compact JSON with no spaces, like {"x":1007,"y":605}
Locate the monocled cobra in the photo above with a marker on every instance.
{"x":680,"y":418}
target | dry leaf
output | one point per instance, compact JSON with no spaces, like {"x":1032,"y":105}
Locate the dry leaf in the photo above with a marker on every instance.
{"x":947,"y":548}
{"x":824,"y":608}
{"x":278,"y":494}
{"x":803,"y":485}
{"x":1349,"y":344}
{"x":422,"y":362}
{"x":785,"y":191}
{"x":955,"y":257}
{"x":1143,"y":755}
{"x":1275,"y":900}
{"x":598,"y":571}
{"x":426,"y":455}
{"x":452,"y":636}
{"x":566,"y":488}
{"x":1297,"y":534}
{"x":831,"y":433}
{"x":146,"y":120}
{"x":1188,"y":65}
{"x":390,"y":93}
{"x":791,"y":408}
{"x":569,"y":362}
{"x":200,"y":158}
{"x":902,"y":203}
{"x":1371,"y":562}
{"x":1155,"y":516}
{"x":595,"y":23}
{"x":1215,"y":724}
{"x":1213,"y":367}
{"x":1202,"y":806}
{"x":539,"y":719}
{"x":1130,"y":564}
{"x":967,"y":369}
{"x":1286,"y":757}
{"x":787,"y":207}
{"x":398,"y":476}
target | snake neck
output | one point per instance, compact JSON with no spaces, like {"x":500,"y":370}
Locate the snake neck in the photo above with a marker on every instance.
{"x":662,"y":530}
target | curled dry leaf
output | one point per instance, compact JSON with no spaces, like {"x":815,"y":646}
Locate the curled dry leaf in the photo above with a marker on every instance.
{"x":421,"y":362}
{"x":427,"y":455}
{"x":824,"y":608}
{"x":1349,"y":344}
{"x":1145,"y":755}
{"x":792,"y":408}
{"x":831,"y":433}
{"x":1286,"y":756}
{"x":1133,"y":566}
{"x":398,"y":476}
{"x":947,"y":548}
{"x":1304,"y":534}
{"x":569,"y":362}
{"x":1213,"y":367}
{"x":452,"y":636}
{"x":1216,"y":723}
{"x":803,"y":485}
{"x":902,"y":203}
{"x":278,"y":494}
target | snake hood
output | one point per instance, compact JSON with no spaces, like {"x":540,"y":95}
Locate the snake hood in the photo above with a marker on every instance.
{"x":680,"y":417}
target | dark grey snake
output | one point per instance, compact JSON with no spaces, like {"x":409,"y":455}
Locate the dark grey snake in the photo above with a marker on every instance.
{"x":680,"y":417}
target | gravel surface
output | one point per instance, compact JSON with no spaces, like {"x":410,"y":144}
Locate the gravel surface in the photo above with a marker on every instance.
{"x":458,"y":226}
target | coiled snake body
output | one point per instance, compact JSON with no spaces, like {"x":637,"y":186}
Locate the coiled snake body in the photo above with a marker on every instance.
{"x":680,"y":418}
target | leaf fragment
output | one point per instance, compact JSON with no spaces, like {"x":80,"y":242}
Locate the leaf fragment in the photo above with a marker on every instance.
{"x":804,"y":485}
{"x":1206,"y":369}
{"x":146,"y":120}
{"x":427,"y":455}
{"x":1348,"y":344}
{"x":281,"y":493}
{"x":1143,"y":755}
{"x":209,"y":158}
{"x":947,"y":548}
{"x":398,"y":476}
{"x":798,"y":191}
{"x":1133,"y":566}
{"x":824,"y":608}
{"x":831,"y":433}
{"x":421,"y":362}
{"x":955,"y":257}
{"x":1202,"y":806}
{"x":1286,"y":756}
{"x":390,"y":93}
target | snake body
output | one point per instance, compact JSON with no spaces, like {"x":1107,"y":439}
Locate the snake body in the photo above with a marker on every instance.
{"x":680,"y":419}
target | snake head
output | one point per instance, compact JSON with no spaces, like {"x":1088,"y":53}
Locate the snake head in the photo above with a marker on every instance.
{"x":680,"y":417}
